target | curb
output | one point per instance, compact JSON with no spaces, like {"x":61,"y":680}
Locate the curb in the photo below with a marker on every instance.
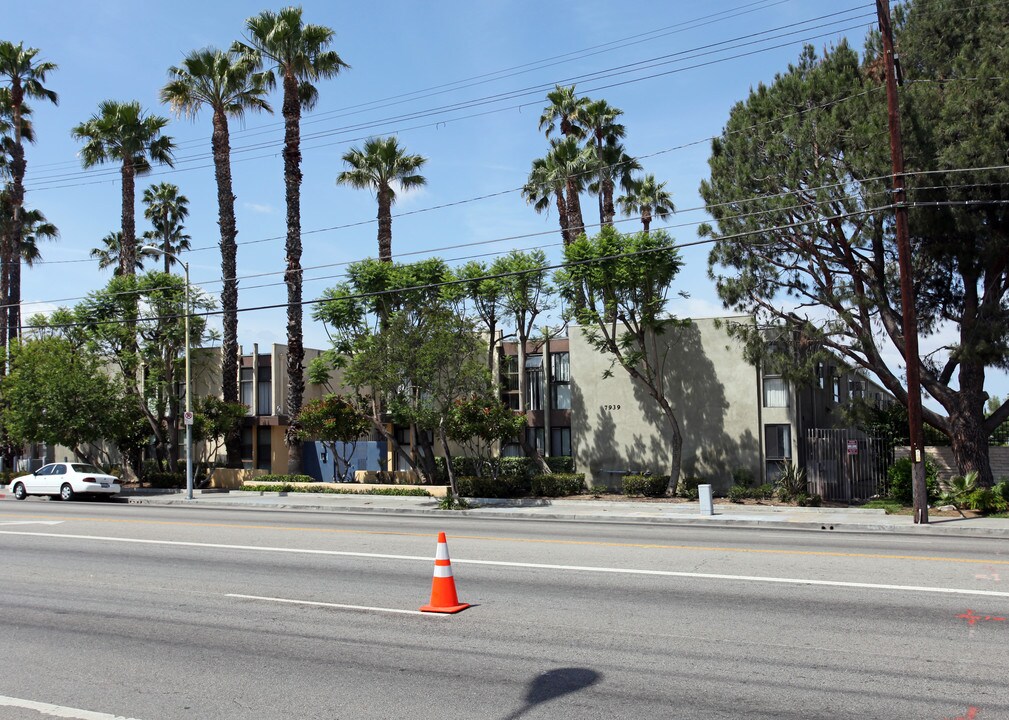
{"x":704,"y":521}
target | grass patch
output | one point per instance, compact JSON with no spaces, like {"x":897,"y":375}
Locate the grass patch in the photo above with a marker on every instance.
{"x":405,"y":492}
{"x":891,"y":507}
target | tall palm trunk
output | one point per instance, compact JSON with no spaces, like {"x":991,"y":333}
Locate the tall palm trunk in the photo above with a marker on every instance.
{"x":229,"y":294}
{"x":562,"y":217}
{"x":576,"y":225}
{"x":384,"y":225}
{"x":12,"y":297}
{"x":646,"y":217}
{"x":166,"y":244}
{"x":292,"y":276}
{"x":128,"y":247}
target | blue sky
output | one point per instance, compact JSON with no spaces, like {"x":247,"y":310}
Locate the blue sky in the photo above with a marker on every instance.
{"x":398,"y":52}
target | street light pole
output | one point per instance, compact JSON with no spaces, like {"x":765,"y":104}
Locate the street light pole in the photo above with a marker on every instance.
{"x":189,"y":394}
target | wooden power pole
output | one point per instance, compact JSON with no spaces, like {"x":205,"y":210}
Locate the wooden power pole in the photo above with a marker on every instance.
{"x":916,"y":432}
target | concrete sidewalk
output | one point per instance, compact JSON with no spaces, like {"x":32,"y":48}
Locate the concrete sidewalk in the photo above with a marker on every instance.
{"x":679,"y":513}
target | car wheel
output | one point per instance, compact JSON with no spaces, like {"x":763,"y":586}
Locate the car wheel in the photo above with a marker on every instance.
{"x":19,"y":492}
{"x":67,"y":492}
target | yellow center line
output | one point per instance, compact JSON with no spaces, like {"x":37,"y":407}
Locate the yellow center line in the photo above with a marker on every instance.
{"x":534,"y":541}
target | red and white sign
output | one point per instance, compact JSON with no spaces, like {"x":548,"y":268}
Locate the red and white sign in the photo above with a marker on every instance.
{"x":853,"y":447}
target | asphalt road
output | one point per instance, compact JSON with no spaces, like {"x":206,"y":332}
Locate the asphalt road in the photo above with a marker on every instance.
{"x":171,"y":612}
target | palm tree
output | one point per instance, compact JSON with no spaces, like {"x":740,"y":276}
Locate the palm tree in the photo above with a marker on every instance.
{"x":647,"y":199}
{"x":572,"y":163}
{"x":23,"y":76}
{"x":565,"y":109}
{"x":122,"y":132}
{"x":166,"y":209}
{"x":546,"y":185}
{"x":228,"y":84}
{"x":109,"y":256}
{"x":35,"y":227}
{"x":298,"y":53}
{"x":381,"y":163}
{"x":615,"y":166}
{"x":599,"y":119}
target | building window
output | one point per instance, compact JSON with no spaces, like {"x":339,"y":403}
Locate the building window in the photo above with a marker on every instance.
{"x":775,"y":392}
{"x":777,"y":449}
{"x":837,"y":389}
{"x":536,"y":438}
{"x":246,"y":390}
{"x":264,"y":395}
{"x":264,"y":454}
{"x":247,"y":445}
{"x":534,"y":382}
{"x":560,"y":441}
{"x":510,"y":372}
{"x":856,"y":388}
{"x":561,"y":382}
{"x":821,"y":379}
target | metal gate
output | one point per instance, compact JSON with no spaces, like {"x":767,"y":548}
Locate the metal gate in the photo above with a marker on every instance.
{"x":846,"y":465}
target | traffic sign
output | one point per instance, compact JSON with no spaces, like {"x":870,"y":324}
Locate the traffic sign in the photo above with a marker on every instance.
{"x":853,"y":447}
{"x":188,"y":417}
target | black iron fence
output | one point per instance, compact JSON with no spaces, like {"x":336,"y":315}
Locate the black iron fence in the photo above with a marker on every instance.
{"x":846,"y":466}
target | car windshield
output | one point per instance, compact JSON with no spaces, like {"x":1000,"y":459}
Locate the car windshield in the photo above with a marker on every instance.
{"x":81,"y":468}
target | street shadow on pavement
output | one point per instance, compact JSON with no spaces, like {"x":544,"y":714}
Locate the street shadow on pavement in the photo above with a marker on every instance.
{"x":554,"y":684}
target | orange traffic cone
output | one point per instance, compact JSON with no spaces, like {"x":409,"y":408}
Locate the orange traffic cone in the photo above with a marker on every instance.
{"x":443,"y":597}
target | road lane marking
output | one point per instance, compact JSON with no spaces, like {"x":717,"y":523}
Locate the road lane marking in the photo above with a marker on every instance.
{"x":58,"y":710}
{"x":31,"y":522}
{"x":552,"y":541}
{"x":335,"y":605}
{"x":533,"y":566}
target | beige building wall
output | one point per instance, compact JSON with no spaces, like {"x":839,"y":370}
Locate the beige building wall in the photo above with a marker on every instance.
{"x":616,"y":425}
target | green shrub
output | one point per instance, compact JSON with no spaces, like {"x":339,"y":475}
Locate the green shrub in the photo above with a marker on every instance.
{"x":763,"y":492}
{"x":743,"y":476}
{"x":647,"y":485}
{"x":517,"y":469}
{"x":1002,"y":489}
{"x":558,"y":484}
{"x":985,"y":501}
{"x":165,"y":479}
{"x":279,"y":478}
{"x":898,"y":481}
{"x":336,"y":490}
{"x":687,"y":487}
{"x":738,"y":493}
{"x":804,"y":500}
{"x":791,"y":483}
{"x":486,"y":487}
{"x":452,"y":502}
{"x":561,"y":465}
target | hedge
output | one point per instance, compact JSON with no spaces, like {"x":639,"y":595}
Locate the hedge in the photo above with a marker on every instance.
{"x":647,"y":485}
{"x":558,"y":484}
{"x":485,"y":487}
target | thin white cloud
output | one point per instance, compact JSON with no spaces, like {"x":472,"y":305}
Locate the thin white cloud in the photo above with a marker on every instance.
{"x":259,"y":208}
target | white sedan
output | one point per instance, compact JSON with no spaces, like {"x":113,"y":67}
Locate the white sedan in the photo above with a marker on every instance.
{"x":65,"y":480}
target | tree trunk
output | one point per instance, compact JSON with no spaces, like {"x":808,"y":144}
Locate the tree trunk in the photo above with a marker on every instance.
{"x":18,"y":167}
{"x":128,"y":248}
{"x":968,"y":435}
{"x":172,"y":406}
{"x":449,"y":470}
{"x":562,"y":217}
{"x":646,"y":218}
{"x":221,"y":145}
{"x":576,"y":225}
{"x":292,"y":276}
{"x":384,"y":225}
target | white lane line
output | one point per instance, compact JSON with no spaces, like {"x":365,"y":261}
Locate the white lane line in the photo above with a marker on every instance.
{"x":58,"y":710}
{"x":334,"y":605}
{"x":31,"y":522}
{"x":534,"y":566}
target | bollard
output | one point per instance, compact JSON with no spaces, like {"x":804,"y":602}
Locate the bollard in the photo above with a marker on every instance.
{"x":704,"y":495}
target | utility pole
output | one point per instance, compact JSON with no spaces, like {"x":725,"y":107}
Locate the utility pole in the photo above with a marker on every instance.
{"x":916,"y":432}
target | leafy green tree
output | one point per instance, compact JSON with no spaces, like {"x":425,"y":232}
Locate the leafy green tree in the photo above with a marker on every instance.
{"x":298,"y":52}
{"x":338,"y":424}
{"x":214,"y":420}
{"x":379,"y":165}
{"x":57,"y":393}
{"x":227,"y":83}
{"x":167,"y":211}
{"x":23,"y":76}
{"x":480,"y":423}
{"x":623,"y":282}
{"x":121,"y":132}
{"x":804,"y":235}
{"x":647,"y":198}
{"x":486,"y":294}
